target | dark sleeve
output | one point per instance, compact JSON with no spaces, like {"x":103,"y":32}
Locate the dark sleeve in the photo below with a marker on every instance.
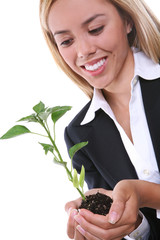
{"x":92,"y":177}
{"x":154,"y":223}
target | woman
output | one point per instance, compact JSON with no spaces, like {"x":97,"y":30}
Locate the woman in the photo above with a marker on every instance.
{"x":111,"y":49}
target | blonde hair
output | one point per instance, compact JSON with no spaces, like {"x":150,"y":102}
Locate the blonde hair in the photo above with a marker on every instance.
{"x":145,"y":34}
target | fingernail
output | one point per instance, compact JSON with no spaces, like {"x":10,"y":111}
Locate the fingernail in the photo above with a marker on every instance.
{"x":80,"y":212}
{"x":69,"y":210}
{"x":73,"y":212}
{"x":113,"y":217}
{"x":77,"y":218}
{"x":81,"y":230}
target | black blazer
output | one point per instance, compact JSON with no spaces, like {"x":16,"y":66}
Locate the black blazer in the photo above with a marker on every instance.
{"x":105,"y":159}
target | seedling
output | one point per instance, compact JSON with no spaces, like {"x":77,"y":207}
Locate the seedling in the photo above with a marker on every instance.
{"x":40,"y":116}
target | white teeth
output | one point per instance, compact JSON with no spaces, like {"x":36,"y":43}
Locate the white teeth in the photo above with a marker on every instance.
{"x":95,"y":66}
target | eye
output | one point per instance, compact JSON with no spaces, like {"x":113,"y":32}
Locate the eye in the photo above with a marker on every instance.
{"x":96,"y":31}
{"x":66,"y":42}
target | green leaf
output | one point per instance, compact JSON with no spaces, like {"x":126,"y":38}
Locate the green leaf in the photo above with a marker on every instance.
{"x":40,"y":107}
{"x":30,"y":118}
{"x":43,"y":115}
{"x":82,"y":177}
{"x":75,"y":179}
{"x":47,"y":147}
{"x":53,"y":109}
{"x":58,"y":112}
{"x":15,"y":131}
{"x":59,"y":162}
{"x":76,"y":148}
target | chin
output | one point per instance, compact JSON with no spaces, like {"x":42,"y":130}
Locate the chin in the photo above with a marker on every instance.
{"x":101,"y":86}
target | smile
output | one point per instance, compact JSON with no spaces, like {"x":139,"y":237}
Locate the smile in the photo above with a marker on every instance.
{"x":95,"y":66}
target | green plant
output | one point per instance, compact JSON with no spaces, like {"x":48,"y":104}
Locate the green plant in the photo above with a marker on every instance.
{"x":40,"y":116}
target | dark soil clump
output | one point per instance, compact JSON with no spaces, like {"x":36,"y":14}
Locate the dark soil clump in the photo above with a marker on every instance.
{"x":97,"y":203}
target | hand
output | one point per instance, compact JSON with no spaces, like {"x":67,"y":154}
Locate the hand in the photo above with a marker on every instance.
{"x":123,"y":217}
{"x":94,"y":227}
{"x":125,"y":196}
{"x":72,"y":210}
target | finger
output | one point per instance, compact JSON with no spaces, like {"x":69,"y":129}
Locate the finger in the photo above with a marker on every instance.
{"x":103,"y":221}
{"x":116,"y":211}
{"x":125,"y":206}
{"x":120,"y":198}
{"x":95,"y":219}
{"x":86,"y":235}
{"x":71,"y":223}
{"x":87,"y":229}
{"x":101,"y":233}
{"x":73,"y":205}
{"x":78,"y":235}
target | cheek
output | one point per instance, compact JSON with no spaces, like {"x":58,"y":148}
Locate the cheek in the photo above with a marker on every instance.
{"x":64,"y":54}
{"x":114,"y":38}
{"x":68,"y":56}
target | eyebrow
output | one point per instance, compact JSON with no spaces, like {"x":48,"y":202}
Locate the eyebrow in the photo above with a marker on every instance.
{"x":92,"y":18}
{"x":61,"y":32}
{"x":84,"y":23}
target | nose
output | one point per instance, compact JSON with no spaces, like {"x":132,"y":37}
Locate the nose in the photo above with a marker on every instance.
{"x":85,"y":47}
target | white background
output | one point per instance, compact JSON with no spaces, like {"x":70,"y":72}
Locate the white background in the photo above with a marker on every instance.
{"x":33,"y":191}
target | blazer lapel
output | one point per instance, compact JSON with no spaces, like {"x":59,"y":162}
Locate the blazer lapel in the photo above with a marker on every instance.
{"x":151,"y":99}
{"x":106,"y":149}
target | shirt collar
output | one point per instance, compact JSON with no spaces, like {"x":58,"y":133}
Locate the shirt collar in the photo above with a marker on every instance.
{"x":98,"y":101}
{"x":144,"y":67}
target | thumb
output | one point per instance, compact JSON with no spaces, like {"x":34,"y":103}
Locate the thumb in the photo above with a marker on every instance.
{"x":117,"y":208}
{"x":69,"y":207}
{"x":72,"y":205}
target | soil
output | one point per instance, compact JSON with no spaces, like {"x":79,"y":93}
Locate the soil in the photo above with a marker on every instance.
{"x":97,"y":203}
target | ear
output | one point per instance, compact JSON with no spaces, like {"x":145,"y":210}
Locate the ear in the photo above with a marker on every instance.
{"x":129,"y":28}
{"x":128,"y":25}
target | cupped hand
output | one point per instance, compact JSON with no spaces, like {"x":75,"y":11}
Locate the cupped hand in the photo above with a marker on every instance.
{"x":123,"y":217}
{"x":72,"y":209}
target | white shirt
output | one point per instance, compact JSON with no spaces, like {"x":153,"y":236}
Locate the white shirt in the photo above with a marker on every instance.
{"x":141,"y":153}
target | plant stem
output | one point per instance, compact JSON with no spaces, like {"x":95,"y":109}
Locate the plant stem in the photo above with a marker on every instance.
{"x":54,"y":132}
{"x":57,"y":151}
{"x":59,"y":155}
{"x":80,"y":192}
{"x":39,"y":134}
{"x":47,"y":125}
{"x":66,"y":168}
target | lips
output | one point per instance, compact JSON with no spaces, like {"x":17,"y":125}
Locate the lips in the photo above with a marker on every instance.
{"x":95,"y":67}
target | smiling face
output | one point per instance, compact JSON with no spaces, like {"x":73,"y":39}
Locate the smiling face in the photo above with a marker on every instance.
{"x":91,"y":36}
